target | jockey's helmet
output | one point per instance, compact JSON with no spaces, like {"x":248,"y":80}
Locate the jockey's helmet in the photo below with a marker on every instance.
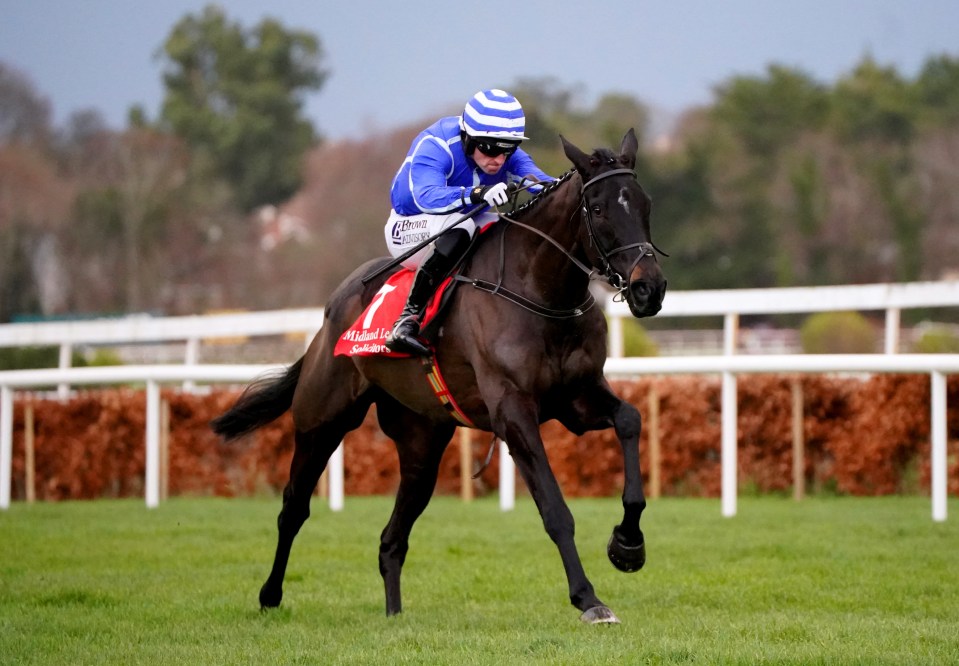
{"x":494,"y":114}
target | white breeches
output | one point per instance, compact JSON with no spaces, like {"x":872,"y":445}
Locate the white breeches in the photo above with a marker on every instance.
{"x":404,"y":232}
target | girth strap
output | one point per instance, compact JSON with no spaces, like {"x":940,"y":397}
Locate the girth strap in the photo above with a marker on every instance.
{"x":442,"y":391}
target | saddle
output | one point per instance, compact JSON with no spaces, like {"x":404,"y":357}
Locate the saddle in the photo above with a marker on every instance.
{"x":367,"y":335}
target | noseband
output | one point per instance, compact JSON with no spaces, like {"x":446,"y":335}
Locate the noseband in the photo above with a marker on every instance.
{"x":616,"y":280}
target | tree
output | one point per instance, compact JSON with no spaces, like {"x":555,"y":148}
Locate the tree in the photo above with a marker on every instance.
{"x":938,"y":90}
{"x":237,"y":96}
{"x":33,"y":205}
{"x":544,"y":100}
{"x":615,"y":114}
{"x":123,"y":215}
{"x":874,"y":103}
{"x":767,"y":114}
{"x":24,"y":115}
{"x":83,"y":129}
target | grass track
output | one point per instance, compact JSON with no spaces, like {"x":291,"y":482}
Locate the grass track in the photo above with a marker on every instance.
{"x":825,"y":581}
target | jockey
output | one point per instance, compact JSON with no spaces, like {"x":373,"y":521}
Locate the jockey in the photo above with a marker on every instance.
{"x":454,"y":164}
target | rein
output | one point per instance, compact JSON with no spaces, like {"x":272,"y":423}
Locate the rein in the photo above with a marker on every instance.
{"x":497,"y":289}
{"x":614,"y":279}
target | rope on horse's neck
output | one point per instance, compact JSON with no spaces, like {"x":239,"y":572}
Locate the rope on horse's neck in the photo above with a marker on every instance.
{"x":525,"y":303}
{"x":522,"y":301}
{"x":590,"y":272}
{"x":620,"y":285}
{"x":498,"y":289}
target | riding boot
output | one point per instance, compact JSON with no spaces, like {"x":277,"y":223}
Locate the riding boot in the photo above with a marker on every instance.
{"x":405,"y":335}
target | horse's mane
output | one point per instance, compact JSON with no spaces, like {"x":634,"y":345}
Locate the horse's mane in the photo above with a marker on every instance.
{"x":547,"y":190}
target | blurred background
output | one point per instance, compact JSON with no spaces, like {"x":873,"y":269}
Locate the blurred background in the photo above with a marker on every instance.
{"x":192,"y":157}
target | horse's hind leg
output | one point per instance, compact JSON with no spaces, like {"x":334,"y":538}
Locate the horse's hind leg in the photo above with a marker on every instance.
{"x":420,"y":445}
{"x":313,"y":450}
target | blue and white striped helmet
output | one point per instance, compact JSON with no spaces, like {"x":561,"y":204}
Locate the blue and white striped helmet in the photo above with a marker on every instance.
{"x":494,"y":113}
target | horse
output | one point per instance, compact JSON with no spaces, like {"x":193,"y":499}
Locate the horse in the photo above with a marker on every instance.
{"x":523,"y":346}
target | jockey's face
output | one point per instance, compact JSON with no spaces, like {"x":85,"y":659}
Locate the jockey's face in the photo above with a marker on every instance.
{"x":489,"y":165}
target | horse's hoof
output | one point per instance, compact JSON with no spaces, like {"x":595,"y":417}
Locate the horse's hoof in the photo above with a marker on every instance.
{"x":599,"y":615}
{"x":626,"y":557}
{"x":270,"y":597}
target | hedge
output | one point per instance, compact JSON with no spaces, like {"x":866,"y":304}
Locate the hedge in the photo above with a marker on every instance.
{"x":862,"y":437}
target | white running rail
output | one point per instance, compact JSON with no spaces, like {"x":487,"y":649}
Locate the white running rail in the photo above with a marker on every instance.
{"x":730,"y":304}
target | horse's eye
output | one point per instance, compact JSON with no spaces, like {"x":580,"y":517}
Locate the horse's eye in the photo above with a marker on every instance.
{"x":597,"y":209}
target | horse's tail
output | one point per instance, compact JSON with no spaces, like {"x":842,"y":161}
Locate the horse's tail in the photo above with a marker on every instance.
{"x":264,"y":400}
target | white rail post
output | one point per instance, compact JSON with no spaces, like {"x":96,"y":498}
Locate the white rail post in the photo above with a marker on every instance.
{"x":335,"y":467}
{"x":507,"y":479}
{"x":729,"y":445}
{"x":192,"y":357}
{"x":939,"y":466}
{"x":6,"y":445}
{"x":891,"y":342}
{"x":729,"y":421}
{"x":66,"y":360}
{"x":153,"y":445}
{"x":617,"y":344}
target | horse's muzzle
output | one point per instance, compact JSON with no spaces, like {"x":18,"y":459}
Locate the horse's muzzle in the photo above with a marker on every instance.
{"x":646,"y":292}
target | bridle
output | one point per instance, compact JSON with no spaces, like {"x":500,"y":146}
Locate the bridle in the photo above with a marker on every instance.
{"x":616,"y":280}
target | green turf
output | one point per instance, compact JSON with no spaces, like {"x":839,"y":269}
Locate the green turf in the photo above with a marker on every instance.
{"x":824,"y":581}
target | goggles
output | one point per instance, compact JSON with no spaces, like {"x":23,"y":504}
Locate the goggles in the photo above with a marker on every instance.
{"x":494,"y":148}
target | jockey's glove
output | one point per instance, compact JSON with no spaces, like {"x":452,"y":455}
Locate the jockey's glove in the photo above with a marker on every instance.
{"x":494,"y":195}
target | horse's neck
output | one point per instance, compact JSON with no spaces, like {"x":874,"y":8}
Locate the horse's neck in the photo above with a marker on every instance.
{"x":543,"y":268}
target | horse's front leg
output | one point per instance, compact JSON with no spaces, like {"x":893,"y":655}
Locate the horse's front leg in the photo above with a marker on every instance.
{"x":627,"y":548}
{"x":515,"y":420}
{"x":597,"y":409}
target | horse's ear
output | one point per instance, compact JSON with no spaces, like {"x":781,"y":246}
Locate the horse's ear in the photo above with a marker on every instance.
{"x":579,"y":159}
{"x":627,"y":151}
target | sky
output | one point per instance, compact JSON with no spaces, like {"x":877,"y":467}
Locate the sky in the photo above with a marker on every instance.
{"x":395,"y":63}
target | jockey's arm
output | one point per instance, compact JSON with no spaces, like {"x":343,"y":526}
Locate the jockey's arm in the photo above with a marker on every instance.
{"x":429,"y":170}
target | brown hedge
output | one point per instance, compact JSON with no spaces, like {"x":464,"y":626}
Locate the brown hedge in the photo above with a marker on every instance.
{"x":862,"y":437}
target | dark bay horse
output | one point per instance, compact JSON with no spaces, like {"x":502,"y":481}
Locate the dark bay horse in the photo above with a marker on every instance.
{"x":532,"y":351}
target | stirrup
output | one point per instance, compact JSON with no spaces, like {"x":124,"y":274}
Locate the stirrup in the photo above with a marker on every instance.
{"x":404,"y":338}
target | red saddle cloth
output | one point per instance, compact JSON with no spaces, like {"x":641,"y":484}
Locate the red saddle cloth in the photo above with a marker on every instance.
{"x":367,"y":335}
